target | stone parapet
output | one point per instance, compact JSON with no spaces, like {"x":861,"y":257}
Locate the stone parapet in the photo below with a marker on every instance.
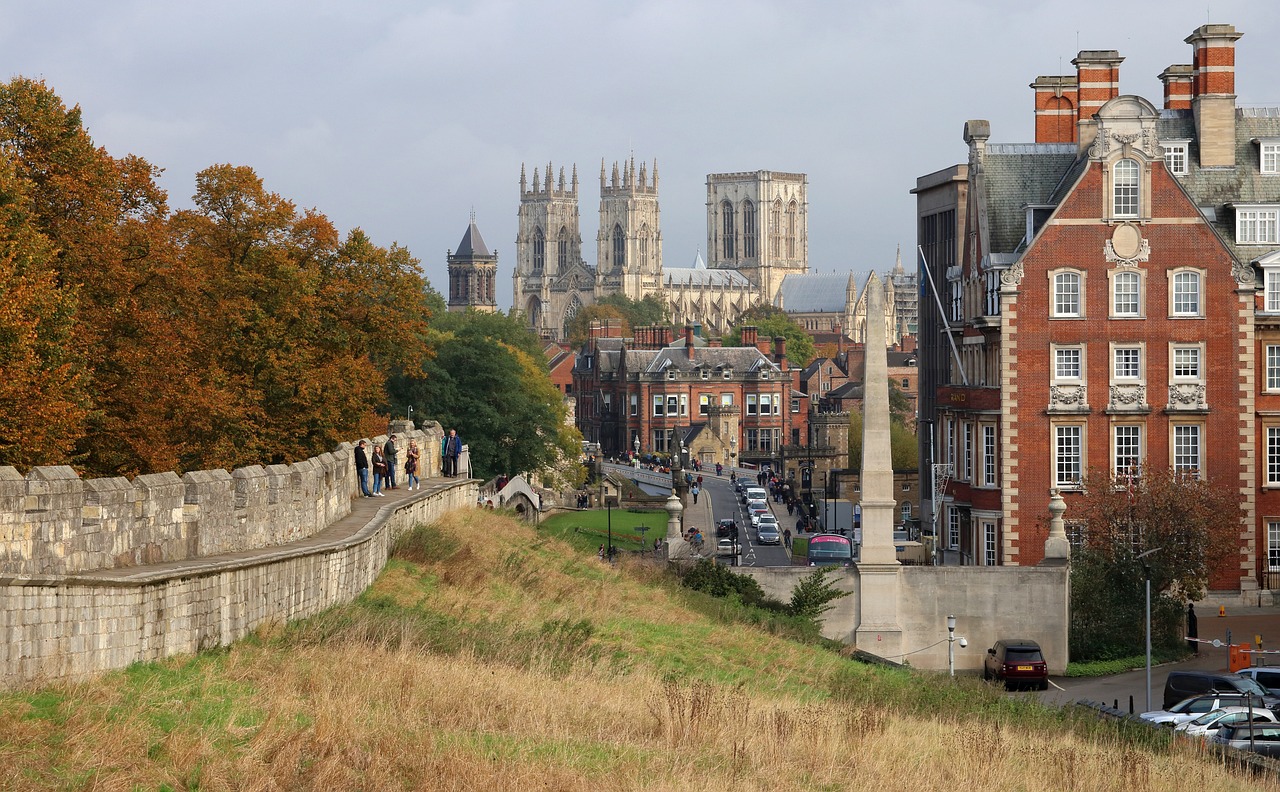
{"x":74,"y":627}
{"x":54,"y":523}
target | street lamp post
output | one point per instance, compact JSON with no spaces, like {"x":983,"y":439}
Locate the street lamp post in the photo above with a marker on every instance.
{"x":951,"y":645}
{"x":1146,"y":570}
{"x":408,"y":414}
{"x":608,"y":509}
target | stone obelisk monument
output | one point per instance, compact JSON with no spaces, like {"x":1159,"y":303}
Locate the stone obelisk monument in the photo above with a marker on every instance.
{"x":878,"y":569}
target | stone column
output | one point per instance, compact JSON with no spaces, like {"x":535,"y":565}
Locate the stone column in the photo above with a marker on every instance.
{"x":879,"y":572}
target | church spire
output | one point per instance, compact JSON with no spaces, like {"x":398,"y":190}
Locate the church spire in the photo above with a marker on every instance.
{"x":897,"y":267}
{"x":524,"y":185}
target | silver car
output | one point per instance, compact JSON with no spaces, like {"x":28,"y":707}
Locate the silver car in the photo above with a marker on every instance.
{"x":1207,"y":725}
{"x":767,"y":530}
{"x":1263,"y":738}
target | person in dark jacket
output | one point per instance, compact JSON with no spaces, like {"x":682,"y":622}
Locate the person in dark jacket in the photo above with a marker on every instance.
{"x":450,"y":450}
{"x":391,"y":454}
{"x":362,"y":469}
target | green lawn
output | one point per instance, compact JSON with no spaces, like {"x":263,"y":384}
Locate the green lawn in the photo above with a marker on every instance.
{"x":587,"y":530}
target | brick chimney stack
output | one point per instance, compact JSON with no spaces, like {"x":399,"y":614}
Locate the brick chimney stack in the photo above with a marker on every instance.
{"x":1213,"y":92}
{"x":1097,"y":82}
{"x":1057,"y":99}
{"x":780,"y":351}
{"x":749,"y":336}
{"x":688,"y":341}
{"x":1177,"y":87}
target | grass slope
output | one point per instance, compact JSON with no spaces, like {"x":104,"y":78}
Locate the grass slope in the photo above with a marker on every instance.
{"x":487,"y":657}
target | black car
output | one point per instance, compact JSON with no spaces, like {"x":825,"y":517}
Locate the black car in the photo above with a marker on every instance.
{"x":1016,"y":662}
{"x":1181,"y":685}
{"x":726,"y":529}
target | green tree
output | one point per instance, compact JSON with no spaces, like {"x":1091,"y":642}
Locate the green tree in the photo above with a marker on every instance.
{"x":580,"y":325}
{"x":769,"y":323}
{"x":814,"y":594}
{"x":488,"y":379}
{"x":1193,"y":526}
{"x":903,"y":450}
{"x":639,"y":313}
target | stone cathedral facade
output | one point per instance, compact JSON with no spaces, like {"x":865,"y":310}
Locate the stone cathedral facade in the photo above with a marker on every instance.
{"x":757,"y":240}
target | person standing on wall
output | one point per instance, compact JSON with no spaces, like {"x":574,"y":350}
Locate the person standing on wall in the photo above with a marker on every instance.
{"x":362,"y":469}
{"x":379,"y":471}
{"x":392,"y":455}
{"x":411,"y":465}
{"x":450,"y":450}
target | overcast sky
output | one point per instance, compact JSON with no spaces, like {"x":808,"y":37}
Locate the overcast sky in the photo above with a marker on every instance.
{"x":403,"y":117}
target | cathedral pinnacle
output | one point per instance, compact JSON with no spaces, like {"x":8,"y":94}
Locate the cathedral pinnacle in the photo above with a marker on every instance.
{"x":524,"y":186}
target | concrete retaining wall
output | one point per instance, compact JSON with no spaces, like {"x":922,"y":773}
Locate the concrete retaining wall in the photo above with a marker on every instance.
{"x":74,"y":627}
{"x":52,"y":522}
{"x":989,"y":603}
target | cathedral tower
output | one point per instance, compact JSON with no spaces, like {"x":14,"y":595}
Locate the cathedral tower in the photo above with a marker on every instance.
{"x":758,"y":224}
{"x":473,"y":273}
{"x":551,"y":281}
{"x":629,"y":244}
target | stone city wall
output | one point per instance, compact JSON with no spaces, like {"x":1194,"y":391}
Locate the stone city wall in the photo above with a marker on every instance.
{"x":74,"y":627}
{"x":53,"y":523}
{"x":989,"y":603}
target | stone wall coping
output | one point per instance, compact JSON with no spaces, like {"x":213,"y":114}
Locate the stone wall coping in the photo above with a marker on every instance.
{"x":336,"y":537}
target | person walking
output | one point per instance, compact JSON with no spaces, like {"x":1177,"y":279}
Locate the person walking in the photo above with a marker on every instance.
{"x":392,"y":455}
{"x":362,"y":469}
{"x":379,"y":471}
{"x":450,"y":450}
{"x":694,"y":492}
{"x":411,"y":466}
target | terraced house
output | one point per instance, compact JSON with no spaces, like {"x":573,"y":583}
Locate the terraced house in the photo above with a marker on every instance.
{"x":1113,"y":295}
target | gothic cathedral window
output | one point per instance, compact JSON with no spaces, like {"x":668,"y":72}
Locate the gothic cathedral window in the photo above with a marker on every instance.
{"x":730,"y":238}
{"x":748,"y":229}
{"x":539,"y":250}
{"x":619,"y":248}
{"x":562,"y":249}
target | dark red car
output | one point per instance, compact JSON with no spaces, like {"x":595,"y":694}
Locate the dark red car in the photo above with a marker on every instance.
{"x":1017,"y":663}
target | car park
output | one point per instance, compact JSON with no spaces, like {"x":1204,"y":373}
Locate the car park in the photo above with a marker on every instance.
{"x":1191,"y":708}
{"x":1181,"y":685}
{"x":1262,"y":738}
{"x":1206,"y":726}
{"x":1017,"y":662}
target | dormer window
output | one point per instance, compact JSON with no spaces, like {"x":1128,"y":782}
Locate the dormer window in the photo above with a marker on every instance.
{"x":1124,"y":188}
{"x":1268,"y":154}
{"x":1037,"y":214}
{"x":1175,"y":156}
{"x":1256,"y":224}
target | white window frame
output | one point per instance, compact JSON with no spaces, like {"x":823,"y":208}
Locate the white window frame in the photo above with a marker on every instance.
{"x":1063,"y":364}
{"x":950,"y":428}
{"x":1127,"y":363}
{"x":751,"y":404}
{"x":1272,"y":362}
{"x":1273,"y":545}
{"x":990,"y":456}
{"x":1126,"y":199}
{"x":905,"y":511}
{"x":1063,"y":302}
{"x":1269,"y":155}
{"x":635,"y":404}
{"x":1257,"y":224}
{"x":1186,"y":448}
{"x":953,"y":527}
{"x":1178,"y":293}
{"x":1176,"y":154}
{"x":1126,"y":450}
{"x":1271,"y":289}
{"x":1068,"y":455}
{"x":659,"y":405}
{"x":704,"y":404}
{"x":990,"y":543}
{"x":1273,"y":456}
{"x":966,"y":463}
{"x":1186,"y":362}
{"x":1127,"y":276}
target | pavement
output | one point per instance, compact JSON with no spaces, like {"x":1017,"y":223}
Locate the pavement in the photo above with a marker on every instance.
{"x":1126,"y":691}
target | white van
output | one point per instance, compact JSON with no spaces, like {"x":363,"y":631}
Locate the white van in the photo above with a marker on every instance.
{"x":756,"y":493}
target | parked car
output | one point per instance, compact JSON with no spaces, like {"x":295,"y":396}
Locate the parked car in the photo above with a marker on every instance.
{"x":1267,"y":676}
{"x":1195,"y":706}
{"x":1016,"y":662}
{"x":1185,"y":684}
{"x":1265,"y":737}
{"x":726,"y":528}
{"x":767,"y":530}
{"x":1207,"y":725}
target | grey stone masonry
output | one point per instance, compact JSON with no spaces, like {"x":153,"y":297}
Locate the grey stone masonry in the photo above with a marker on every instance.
{"x":54,"y":523}
{"x":74,"y":626}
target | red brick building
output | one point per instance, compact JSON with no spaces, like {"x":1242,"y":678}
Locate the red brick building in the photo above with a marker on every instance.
{"x":1111,"y":304}
{"x":732,"y":404}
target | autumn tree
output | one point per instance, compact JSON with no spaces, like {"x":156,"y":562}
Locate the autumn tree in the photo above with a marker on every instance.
{"x":769,"y":323}
{"x":1190,"y":523}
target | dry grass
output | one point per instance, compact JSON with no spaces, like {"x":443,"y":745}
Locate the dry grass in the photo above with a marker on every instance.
{"x":398,"y":693}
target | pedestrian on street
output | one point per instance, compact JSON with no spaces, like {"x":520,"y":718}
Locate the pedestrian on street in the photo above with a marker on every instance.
{"x":450,"y":450}
{"x":392,"y":455}
{"x":362,"y":469}
{"x":411,"y":465}
{"x":694,"y":492}
{"x":379,"y":471}
{"x":786,"y":537}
